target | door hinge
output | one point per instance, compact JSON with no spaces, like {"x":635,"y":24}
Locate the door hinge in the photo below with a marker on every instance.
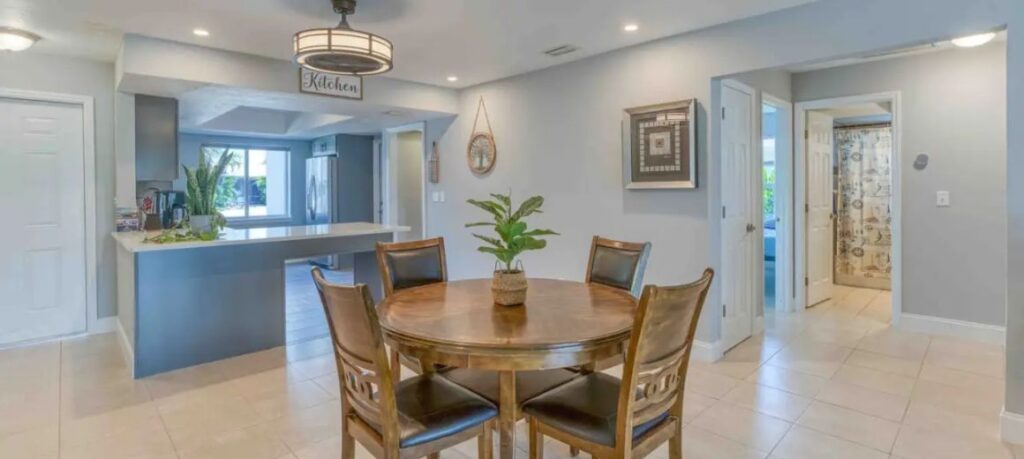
{"x":723,"y":211}
{"x":807,"y":208}
{"x":807,"y":282}
{"x":723,"y":113}
{"x":723,"y":310}
{"x":807,"y":134}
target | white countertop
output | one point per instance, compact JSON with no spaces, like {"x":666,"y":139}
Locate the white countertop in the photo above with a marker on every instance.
{"x":132,"y":241}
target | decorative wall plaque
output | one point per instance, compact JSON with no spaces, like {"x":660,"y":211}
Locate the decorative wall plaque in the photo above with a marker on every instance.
{"x":659,"y":148}
{"x":481,"y":152}
{"x":328,"y":84}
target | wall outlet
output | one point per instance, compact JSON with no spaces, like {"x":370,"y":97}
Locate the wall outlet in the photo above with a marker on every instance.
{"x":942,"y":198}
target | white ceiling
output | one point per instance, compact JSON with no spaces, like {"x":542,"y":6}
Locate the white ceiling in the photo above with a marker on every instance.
{"x":478,"y":40}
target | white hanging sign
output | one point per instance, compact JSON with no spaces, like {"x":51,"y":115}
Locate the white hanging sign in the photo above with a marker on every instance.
{"x":328,"y":84}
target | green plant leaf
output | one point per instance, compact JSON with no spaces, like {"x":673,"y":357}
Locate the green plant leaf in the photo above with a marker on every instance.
{"x":528,"y":207}
{"x":505,"y":200}
{"x":540,"y":232}
{"x":529,"y":243}
{"x":509,"y":231}
{"x":490,"y":206}
{"x":490,"y":240}
{"x":471,"y":225}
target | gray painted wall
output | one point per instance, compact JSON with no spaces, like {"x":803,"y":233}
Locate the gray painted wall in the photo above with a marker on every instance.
{"x":557,"y":132}
{"x":954,"y":110}
{"x":1015,"y":205}
{"x":188,"y":154}
{"x":66,"y":75}
{"x":355,"y":170}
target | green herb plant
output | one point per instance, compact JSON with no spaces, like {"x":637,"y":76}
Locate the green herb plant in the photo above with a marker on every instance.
{"x":182,"y":234}
{"x":513,"y":236}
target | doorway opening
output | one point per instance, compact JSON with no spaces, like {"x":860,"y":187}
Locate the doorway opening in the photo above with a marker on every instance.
{"x":848,"y":173}
{"x":403,"y":177}
{"x":776,"y":202}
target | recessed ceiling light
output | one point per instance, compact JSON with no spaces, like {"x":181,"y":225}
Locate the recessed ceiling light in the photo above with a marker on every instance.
{"x":201,"y":32}
{"x":974,"y":40}
{"x":16,"y":39}
{"x":452,"y":78}
{"x":630,"y":27}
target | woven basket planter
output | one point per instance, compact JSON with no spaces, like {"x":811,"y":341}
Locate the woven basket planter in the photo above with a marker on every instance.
{"x":509,"y":288}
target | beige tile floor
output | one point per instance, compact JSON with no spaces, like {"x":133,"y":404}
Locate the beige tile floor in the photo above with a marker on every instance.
{"x":834,"y":381}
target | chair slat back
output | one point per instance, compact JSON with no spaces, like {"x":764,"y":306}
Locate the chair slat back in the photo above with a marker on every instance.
{"x":618,"y":264}
{"x":363,"y":373}
{"x":411,"y":264}
{"x":659,"y":352}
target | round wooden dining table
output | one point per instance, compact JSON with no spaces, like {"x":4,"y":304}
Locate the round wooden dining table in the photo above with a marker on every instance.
{"x":562,"y":324}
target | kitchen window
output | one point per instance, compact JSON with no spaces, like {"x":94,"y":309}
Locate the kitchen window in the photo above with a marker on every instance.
{"x":254,"y":184}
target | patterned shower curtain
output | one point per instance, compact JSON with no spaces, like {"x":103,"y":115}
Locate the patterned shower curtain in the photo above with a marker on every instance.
{"x":864,"y":225}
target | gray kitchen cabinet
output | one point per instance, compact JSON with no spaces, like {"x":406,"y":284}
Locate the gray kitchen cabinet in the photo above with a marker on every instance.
{"x":156,"y":138}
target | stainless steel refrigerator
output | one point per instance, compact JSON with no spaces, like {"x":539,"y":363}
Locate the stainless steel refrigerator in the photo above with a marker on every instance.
{"x":321,"y":197}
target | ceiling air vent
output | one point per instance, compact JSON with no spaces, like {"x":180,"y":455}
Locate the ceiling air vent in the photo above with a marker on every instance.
{"x":561,"y":50}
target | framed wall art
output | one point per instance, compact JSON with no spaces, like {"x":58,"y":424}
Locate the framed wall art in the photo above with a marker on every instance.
{"x":481,"y":151}
{"x":659,"y":146}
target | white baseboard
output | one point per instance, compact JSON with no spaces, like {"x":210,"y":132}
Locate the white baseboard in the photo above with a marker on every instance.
{"x":103,"y":325}
{"x":951,"y":327}
{"x":1011,"y":427}
{"x":126,"y":348}
{"x":705,"y":351}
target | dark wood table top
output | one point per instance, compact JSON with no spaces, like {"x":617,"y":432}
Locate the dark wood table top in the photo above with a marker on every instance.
{"x":557,"y":313}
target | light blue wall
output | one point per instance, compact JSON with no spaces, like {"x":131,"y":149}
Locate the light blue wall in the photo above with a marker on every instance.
{"x":188,"y":154}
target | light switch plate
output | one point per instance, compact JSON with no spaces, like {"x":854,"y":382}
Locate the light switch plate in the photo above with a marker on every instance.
{"x":442,"y":196}
{"x":435,"y":196}
{"x":942,"y":198}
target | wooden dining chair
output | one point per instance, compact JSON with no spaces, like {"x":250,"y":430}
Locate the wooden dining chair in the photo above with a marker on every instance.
{"x":418,"y":417}
{"x":618,"y":264}
{"x":405,"y":265}
{"x":629,"y":418}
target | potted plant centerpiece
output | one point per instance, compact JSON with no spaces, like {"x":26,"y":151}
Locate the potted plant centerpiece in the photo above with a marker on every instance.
{"x":201,"y":193}
{"x":509,"y":285}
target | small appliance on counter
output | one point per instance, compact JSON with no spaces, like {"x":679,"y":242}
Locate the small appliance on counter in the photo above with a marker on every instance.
{"x":162,"y":209}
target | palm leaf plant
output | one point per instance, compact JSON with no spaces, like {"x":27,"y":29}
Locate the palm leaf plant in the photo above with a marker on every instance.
{"x":513,"y":236}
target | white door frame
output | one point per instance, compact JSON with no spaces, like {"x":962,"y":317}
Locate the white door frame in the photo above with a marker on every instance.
{"x":389,"y":198}
{"x":800,"y":119}
{"x":757,"y":311}
{"x":93,"y":323}
{"x":783,"y":194}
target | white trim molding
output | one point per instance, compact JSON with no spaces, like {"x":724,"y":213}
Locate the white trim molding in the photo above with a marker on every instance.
{"x":126,"y":347}
{"x":951,"y":327}
{"x":706,"y":352}
{"x":1011,"y":427}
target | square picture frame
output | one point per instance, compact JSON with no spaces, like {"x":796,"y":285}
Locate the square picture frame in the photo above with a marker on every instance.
{"x":659,"y":146}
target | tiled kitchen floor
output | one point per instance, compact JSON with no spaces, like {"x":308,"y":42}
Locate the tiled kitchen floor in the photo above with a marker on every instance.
{"x":832,"y":382}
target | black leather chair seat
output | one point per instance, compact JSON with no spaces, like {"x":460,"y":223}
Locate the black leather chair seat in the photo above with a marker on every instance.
{"x":529,"y":384}
{"x":586,"y":408}
{"x":431,"y":407}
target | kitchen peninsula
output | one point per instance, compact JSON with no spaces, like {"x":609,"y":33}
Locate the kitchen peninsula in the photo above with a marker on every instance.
{"x":182,"y":304}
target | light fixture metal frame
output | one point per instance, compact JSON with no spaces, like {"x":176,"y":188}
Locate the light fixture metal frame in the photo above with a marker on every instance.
{"x":343,"y":40}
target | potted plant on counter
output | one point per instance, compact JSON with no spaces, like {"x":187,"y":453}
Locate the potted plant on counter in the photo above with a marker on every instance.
{"x":201,"y":193}
{"x":514,"y":238}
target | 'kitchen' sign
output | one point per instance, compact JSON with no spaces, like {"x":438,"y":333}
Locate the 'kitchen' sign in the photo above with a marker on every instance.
{"x":326,"y":84}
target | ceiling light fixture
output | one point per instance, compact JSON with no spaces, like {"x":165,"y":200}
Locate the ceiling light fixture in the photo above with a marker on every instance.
{"x":12,"y":39}
{"x":343,"y":50}
{"x":452,"y":78}
{"x":201,"y":32}
{"x":974,"y":40}
{"x":630,"y":27}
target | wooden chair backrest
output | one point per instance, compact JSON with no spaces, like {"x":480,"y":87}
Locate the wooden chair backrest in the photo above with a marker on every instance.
{"x":659,"y":353}
{"x":364,"y":375}
{"x":604,"y":251}
{"x":427,"y":254}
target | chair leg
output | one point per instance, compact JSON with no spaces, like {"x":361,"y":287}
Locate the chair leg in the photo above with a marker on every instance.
{"x":536,"y":441}
{"x":485,"y":442}
{"x":396,"y":367}
{"x":348,"y":442}
{"x":675,"y":443}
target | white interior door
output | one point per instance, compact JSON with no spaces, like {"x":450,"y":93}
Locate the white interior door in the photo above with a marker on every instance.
{"x":820,"y":217}
{"x":42,"y":240}
{"x":740,"y":179}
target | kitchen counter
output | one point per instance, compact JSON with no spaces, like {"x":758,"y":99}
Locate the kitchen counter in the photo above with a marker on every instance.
{"x":133,"y":241}
{"x":186,"y":303}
